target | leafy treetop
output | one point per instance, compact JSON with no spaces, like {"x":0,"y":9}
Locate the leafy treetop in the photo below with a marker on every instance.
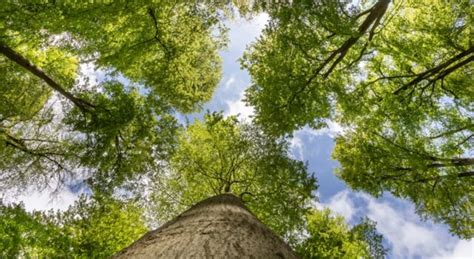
{"x":222,"y":155}
{"x":397,"y":76}
{"x":152,"y":59}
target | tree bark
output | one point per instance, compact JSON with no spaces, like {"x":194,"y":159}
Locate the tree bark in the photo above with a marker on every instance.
{"x":218,"y":227}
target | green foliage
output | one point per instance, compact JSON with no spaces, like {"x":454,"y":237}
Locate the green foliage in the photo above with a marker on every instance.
{"x":409,"y":167}
{"x":287,"y":65}
{"x":91,"y":228}
{"x":397,"y":76}
{"x":23,"y":233}
{"x":101,"y":227}
{"x":367,"y":231}
{"x":166,"y":47}
{"x":222,"y":155}
{"x":55,"y":123}
{"x":127,"y":133}
{"x":328,"y":236}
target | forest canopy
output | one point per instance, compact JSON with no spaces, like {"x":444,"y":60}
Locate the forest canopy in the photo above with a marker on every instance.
{"x":92,"y":95}
{"x":156,"y":59}
{"x":397,"y":76}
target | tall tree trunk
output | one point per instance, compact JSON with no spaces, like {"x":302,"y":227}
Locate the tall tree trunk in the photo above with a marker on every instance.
{"x":218,"y":227}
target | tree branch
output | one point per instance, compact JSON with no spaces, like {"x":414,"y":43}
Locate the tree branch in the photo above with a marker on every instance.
{"x":18,"y":144}
{"x":450,"y":132}
{"x":151,"y":12}
{"x":371,"y":21}
{"x":375,"y":14}
{"x":439,"y":70}
{"x":25,"y":63}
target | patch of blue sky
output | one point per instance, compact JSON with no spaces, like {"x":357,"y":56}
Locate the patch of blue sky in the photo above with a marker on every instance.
{"x":228,"y":95}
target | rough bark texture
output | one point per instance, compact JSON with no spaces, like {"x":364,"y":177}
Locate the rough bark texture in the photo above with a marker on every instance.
{"x":218,"y":227}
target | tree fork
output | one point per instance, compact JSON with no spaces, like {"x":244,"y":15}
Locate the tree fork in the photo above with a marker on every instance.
{"x":373,"y":19}
{"x":375,"y":14}
{"x":439,"y":69}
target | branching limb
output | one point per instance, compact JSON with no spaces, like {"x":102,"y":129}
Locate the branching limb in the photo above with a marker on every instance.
{"x":20,"y":145}
{"x":25,"y":63}
{"x":440,"y":71}
{"x":453,"y":131}
{"x":151,"y":12}
{"x":373,"y":19}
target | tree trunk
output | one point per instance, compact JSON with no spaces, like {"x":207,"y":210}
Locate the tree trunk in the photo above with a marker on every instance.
{"x":218,"y":227}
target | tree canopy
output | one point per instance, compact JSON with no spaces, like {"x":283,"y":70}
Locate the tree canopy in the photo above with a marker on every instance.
{"x":152,"y":59}
{"x":223,"y":155}
{"x":96,"y":227}
{"x":328,"y":236}
{"x":396,"y":75}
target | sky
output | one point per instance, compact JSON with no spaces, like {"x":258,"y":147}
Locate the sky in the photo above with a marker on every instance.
{"x":405,"y":234}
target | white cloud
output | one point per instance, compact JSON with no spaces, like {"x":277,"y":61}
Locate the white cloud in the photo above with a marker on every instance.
{"x":403,"y":231}
{"x":89,"y":76}
{"x":229,"y":82}
{"x":333,"y":130}
{"x":407,"y":235}
{"x":463,"y":249}
{"x":242,"y":31}
{"x":296,"y":147}
{"x":342,"y":204}
{"x":45,"y":199}
{"x":238,"y":107}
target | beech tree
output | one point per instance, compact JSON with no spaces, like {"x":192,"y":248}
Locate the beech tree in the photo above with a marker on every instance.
{"x":222,"y":155}
{"x":100,"y":227}
{"x":220,"y":226}
{"x":396,"y":75}
{"x":152,"y":59}
{"x":406,"y":109}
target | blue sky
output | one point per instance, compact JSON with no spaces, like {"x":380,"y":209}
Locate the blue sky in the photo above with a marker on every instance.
{"x":405,"y":234}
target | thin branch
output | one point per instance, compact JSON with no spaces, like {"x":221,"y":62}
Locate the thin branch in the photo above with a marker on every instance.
{"x":364,"y":13}
{"x":439,"y":69}
{"x":371,"y":21}
{"x":18,"y":144}
{"x":436,"y":178}
{"x":151,"y":12}
{"x":451,"y":132}
{"x":465,"y":140}
{"x":387,"y":78}
{"x":376,"y":13}
{"x":409,"y":151}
